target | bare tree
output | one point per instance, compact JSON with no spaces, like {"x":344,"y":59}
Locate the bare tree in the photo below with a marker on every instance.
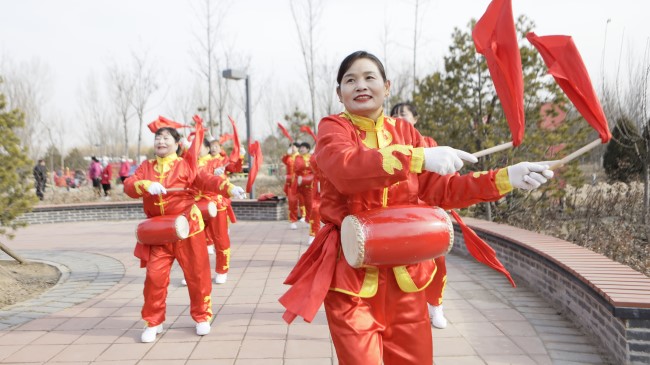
{"x":632,"y":103}
{"x":121,"y":86}
{"x":144,"y":85}
{"x":210,"y":61}
{"x":27,"y":88}
{"x":306,"y":14}
{"x":101,"y":129}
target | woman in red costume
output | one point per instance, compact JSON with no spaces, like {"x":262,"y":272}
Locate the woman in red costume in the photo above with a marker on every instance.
{"x":369,"y":161}
{"x":304,"y":177}
{"x":150,"y":182}
{"x":290,"y":184}
{"x":436,"y":289}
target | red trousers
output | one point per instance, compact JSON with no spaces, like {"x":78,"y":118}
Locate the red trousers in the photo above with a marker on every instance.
{"x":436,"y":289}
{"x":193,"y":259}
{"x":304,"y":196}
{"x":292,"y":200}
{"x":218,"y":235}
{"x":314,"y":218}
{"x":392,"y":326}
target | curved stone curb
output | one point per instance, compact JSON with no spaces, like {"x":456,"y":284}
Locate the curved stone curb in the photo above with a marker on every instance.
{"x":83,"y":276}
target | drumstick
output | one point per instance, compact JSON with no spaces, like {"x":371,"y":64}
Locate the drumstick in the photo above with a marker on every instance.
{"x":487,"y":151}
{"x":171,"y":190}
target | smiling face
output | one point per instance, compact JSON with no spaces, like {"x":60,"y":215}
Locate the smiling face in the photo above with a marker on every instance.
{"x":363,"y":89}
{"x":215,"y":148}
{"x":164,"y":144}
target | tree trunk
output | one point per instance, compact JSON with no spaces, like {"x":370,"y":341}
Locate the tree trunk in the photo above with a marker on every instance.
{"x":14,"y":255}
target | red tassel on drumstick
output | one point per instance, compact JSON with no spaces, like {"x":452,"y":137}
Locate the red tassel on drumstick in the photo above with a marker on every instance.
{"x":495,"y":37}
{"x":285,"y":132}
{"x":256,"y":153}
{"x":565,"y":64}
{"x":306,"y":129}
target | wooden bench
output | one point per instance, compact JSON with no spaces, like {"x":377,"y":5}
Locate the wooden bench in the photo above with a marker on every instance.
{"x":608,"y":299}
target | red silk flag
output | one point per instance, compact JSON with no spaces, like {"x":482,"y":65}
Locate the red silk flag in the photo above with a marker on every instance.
{"x":256,"y":153}
{"x":285,"y":132}
{"x":234,"y":154}
{"x":192,"y":154}
{"x":495,"y":37}
{"x":162,"y":122}
{"x":480,"y":250}
{"x":565,"y":64}
{"x":225,"y":138}
{"x":306,"y":129}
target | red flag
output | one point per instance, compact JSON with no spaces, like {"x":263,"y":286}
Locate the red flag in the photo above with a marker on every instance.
{"x":164,"y":122}
{"x":495,"y":38}
{"x":565,"y":64}
{"x":225,"y":138}
{"x":256,"y":154}
{"x":285,"y":132}
{"x":234,"y":154}
{"x":306,"y":129}
{"x":481,"y":251}
{"x":192,"y":154}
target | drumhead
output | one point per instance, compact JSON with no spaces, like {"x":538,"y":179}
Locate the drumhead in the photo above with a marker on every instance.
{"x":353,"y":241}
{"x":182,"y":226}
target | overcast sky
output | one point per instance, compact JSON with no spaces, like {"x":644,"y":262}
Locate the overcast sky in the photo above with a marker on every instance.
{"x":78,"y":39}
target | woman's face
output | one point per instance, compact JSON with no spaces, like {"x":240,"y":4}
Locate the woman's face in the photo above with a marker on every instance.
{"x":164,"y":144}
{"x":406,"y":114}
{"x":363,"y":90}
{"x":215,"y":149}
{"x":204,"y":151}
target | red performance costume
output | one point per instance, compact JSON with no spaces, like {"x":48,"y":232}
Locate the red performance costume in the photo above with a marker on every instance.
{"x":314,"y":217}
{"x":174,"y":172}
{"x":375,"y":313}
{"x":217,"y":227}
{"x":290,"y":186}
{"x":304,"y":177}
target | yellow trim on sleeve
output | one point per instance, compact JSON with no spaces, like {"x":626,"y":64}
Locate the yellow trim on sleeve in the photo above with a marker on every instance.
{"x":141,"y":186}
{"x":417,"y":159}
{"x":502,"y":181}
{"x":389,"y":162}
{"x":405,"y":281}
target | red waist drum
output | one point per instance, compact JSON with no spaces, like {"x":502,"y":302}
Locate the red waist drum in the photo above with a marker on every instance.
{"x":163,"y":229}
{"x":208,"y":208}
{"x":396,"y":236}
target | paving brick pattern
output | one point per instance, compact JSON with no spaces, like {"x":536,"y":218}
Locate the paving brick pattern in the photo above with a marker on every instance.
{"x":93,"y":314}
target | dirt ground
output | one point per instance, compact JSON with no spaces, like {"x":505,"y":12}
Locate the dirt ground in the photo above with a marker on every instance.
{"x":19,"y":282}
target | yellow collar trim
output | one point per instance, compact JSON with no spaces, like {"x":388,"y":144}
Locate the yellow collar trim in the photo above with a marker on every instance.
{"x":366,"y":124}
{"x":204,"y":160}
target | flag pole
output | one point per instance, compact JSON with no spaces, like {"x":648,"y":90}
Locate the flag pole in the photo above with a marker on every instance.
{"x":576,"y":154}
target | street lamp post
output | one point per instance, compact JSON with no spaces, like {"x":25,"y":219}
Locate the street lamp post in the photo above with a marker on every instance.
{"x":232,"y":74}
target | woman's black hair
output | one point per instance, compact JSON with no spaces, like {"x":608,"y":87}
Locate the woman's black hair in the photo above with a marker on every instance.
{"x":305,"y":144}
{"x":206,"y":142}
{"x":349,"y":60}
{"x":400,"y":106}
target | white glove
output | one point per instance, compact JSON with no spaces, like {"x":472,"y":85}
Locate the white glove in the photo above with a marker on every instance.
{"x":156,"y":188}
{"x":238,"y":192}
{"x":219,"y":171}
{"x":290,"y":151}
{"x":185,"y":143}
{"x":528,"y":175}
{"x":299,"y":180}
{"x":445,"y":160}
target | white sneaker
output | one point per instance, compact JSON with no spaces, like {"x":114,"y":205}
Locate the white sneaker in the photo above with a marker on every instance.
{"x":149,"y":333}
{"x":202,"y":328}
{"x":438,"y":319}
{"x":293,"y":226}
{"x":311,"y":239}
{"x":210,"y":249}
{"x":221,"y":278}
{"x":302,"y":220}
{"x":184,"y":282}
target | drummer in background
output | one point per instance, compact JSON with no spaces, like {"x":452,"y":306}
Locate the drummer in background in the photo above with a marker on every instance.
{"x":218,"y":232}
{"x":290,"y":184}
{"x":150,"y":182}
{"x":368,"y":161}
{"x":435,"y":290}
{"x":304,"y":177}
